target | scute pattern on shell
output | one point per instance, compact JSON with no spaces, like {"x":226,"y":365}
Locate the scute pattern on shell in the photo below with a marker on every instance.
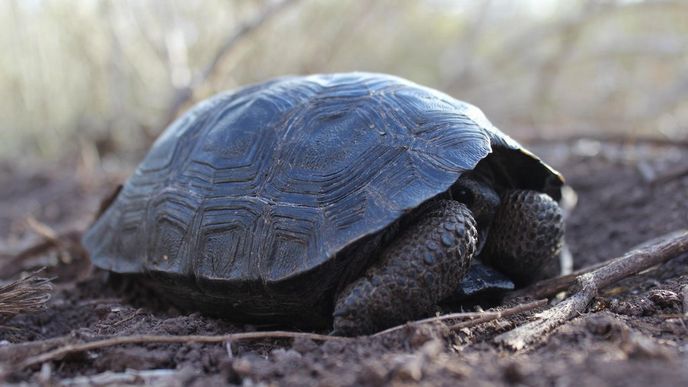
{"x":272,"y":180}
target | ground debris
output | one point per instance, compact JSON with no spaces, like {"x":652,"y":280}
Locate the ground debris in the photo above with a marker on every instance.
{"x":664,"y":298}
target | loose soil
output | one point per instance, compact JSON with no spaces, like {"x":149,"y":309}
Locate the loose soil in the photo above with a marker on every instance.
{"x":634,"y":333}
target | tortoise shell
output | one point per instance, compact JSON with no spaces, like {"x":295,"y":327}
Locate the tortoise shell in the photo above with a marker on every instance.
{"x":262,"y":201}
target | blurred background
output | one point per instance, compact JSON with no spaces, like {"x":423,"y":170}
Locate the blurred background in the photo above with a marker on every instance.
{"x":96,"y":79}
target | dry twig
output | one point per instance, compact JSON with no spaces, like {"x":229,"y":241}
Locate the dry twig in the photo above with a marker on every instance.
{"x":677,"y":172}
{"x":642,"y":258}
{"x":552,"y":286}
{"x":477,"y":317}
{"x":43,"y":230}
{"x":24,"y":295}
{"x":69,"y":349}
{"x":491,"y":316}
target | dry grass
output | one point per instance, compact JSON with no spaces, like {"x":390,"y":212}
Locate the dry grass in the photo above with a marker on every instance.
{"x":28,"y":294}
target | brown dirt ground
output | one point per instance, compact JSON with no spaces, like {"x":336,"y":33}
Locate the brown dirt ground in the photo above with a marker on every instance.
{"x":633,"y":334}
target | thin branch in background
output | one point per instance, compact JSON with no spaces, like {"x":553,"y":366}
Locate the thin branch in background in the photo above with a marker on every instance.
{"x":668,"y":100}
{"x":184,"y":95}
{"x":25,"y":295}
{"x":617,"y":139}
{"x":653,"y":253}
{"x":464,"y":75}
{"x":569,"y":34}
{"x":13,"y":264}
{"x":43,"y":230}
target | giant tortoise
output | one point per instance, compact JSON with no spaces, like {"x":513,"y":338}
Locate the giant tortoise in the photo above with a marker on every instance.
{"x":355,"y":199}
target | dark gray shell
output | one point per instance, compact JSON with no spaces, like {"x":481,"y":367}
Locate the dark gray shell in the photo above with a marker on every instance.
{"x":263,"y":195}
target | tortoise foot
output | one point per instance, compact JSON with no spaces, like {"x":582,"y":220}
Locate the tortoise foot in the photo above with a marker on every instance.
{"x":526,"y":237}
{"x":423,"y":265}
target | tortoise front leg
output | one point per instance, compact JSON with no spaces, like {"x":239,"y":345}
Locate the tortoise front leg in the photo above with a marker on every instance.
{"x":423,"y":265}
{"x":526,"y":237}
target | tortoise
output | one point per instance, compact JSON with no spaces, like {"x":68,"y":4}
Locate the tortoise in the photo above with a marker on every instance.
{"x":352,"y":199}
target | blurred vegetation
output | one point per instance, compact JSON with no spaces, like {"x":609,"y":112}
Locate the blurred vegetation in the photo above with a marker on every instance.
{"x":101,"y":76}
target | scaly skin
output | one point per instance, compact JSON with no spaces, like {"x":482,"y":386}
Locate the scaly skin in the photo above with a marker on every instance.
{"x":419,"y":268}
{"x":526,"y":236}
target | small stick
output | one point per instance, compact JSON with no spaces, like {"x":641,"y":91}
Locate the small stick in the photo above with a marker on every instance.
{"x":476,"y":316}
{"x":228,"y":348}
{"x":674,"y":173}
{"x":684,"y":294}
{"x":451,"y":316}
{"x":552,"y":286}
{"x":614,"y":139}
{"x":43,"y":230}
{"x":633,"y":262}
{"x":491,"y":316}
{"x":129,"y":318}
{"x":68,"y":349}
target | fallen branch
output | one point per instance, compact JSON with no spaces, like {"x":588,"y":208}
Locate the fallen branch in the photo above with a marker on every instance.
{"x":28,"y":294}
{"x":69,"y":349}
{"x":587,"y":285}
{"x":552,"y":286}
{"x":477,"y":317}
{"x":491,"y":316}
